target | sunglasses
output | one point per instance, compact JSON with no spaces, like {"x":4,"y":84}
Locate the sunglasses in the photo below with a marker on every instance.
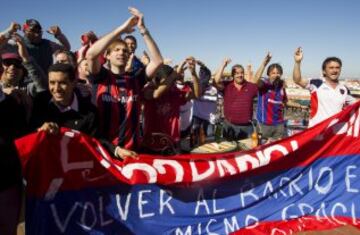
{"x":34,"y":31}
{"x":9,"y":62}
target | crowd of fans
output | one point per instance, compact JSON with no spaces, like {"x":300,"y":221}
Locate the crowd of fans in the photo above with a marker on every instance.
{"x":130,"y":103}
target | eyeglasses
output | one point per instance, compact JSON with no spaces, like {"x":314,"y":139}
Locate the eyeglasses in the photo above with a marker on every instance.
{"x":9,"y":62}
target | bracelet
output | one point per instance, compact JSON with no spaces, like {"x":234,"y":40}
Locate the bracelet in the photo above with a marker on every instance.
{"x":143,"y":31}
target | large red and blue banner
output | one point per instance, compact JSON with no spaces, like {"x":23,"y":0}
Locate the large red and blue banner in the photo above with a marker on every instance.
{"x":309,"y":181}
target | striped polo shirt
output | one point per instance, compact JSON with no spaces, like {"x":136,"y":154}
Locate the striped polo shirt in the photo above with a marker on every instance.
{"x":238,"y":102}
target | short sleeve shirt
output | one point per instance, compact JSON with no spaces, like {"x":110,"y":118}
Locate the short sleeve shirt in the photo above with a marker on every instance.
{"x":238,"y":103}
{"x":326,"y":101}
{"x":118,"y":102}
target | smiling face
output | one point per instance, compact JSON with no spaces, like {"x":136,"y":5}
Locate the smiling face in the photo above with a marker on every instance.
{"x":238,"y":74}
{"x":12,"y":71}
{"x":61,"y":88}
{"x":274,"y":74}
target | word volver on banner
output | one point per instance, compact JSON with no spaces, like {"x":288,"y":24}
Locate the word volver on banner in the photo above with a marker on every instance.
{"x":306,"y":182}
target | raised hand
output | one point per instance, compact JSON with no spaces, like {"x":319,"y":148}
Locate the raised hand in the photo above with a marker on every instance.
{"x":298,"y":56}
{"x":129,"y":25}
{"x":168,"y":61}
{"x":226,"y":61}
{"x":23,"y":52}
{"x":140,"y":17}
{"x":14,"y":27}
{"x":54,"y":30}
{"x":3,"y":39}
{"x":191,"y":64}
{"x":145,"y":58}
{"x":267,"y":58}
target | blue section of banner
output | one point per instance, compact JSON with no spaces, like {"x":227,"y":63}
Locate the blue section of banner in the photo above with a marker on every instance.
{"x":329,"y":187}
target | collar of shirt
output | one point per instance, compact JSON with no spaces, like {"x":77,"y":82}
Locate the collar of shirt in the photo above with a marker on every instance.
{"x":337,"y":87}
{"x":238,"y":86}
{"x":74,"y":105}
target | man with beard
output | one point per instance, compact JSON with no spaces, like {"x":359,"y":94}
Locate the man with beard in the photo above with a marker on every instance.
{"x":42,"y":49}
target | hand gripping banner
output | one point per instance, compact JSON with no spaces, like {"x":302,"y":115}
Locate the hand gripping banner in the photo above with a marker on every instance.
{"x":310,"y":181}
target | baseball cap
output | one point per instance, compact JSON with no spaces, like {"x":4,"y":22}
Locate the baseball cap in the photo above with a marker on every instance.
{"x":32,"y":24}
{"x":10,"y":55}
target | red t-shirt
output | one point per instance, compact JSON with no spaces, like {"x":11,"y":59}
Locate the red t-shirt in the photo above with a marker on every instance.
{"x":238,"y":103}
{"x":162,"y":115}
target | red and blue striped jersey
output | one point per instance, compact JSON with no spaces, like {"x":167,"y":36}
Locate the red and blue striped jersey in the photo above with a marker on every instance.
{"x":118,"y":102}
{"x":271,"y":103}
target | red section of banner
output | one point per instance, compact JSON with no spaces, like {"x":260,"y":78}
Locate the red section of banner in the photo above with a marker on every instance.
{"x":336,"y":136}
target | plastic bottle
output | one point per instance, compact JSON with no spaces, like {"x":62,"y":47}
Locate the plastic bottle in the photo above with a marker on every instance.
{"x":202,"y":136}
{"x":254,"y":139}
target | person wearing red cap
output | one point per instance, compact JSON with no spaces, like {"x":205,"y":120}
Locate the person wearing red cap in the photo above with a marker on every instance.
{"x":42,"y":49}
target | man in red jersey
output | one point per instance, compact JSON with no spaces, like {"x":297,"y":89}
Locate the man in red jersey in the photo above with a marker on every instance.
{"x":162,"y":101}
{"x":239,"y":95}
{"x":117,"y":91}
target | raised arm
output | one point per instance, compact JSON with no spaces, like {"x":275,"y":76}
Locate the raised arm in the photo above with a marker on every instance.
{"x":181,"y":68}
{"x":298,"y":56}
{"x":219,"y":73}
{"x":7,"y":33}
{"x":204,"y":76}
{"x":35,"y":73}
{"x":145,"y":59}
{"x":162,"y":88}
{"x":56,"y":31}
{"x":13,"y":28}
{"x":196,"y":84}
{"x":102,"y":44}
{"x":154,"y":53}
{"x":261,"y":69}
{"x":130,"y":62}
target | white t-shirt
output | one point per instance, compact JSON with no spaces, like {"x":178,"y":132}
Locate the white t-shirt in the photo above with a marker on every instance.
{"x":326,"y":101}
{"x":205,"y":106}
{"x":186,"y":115}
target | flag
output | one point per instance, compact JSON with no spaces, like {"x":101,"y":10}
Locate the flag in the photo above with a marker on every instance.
{"x":309,"y":181}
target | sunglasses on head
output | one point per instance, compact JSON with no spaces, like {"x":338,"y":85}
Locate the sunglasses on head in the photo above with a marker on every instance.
{"x":9,"y":62}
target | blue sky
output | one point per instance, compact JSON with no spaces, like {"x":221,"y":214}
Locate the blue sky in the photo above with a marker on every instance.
{"x":214,"y":29}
